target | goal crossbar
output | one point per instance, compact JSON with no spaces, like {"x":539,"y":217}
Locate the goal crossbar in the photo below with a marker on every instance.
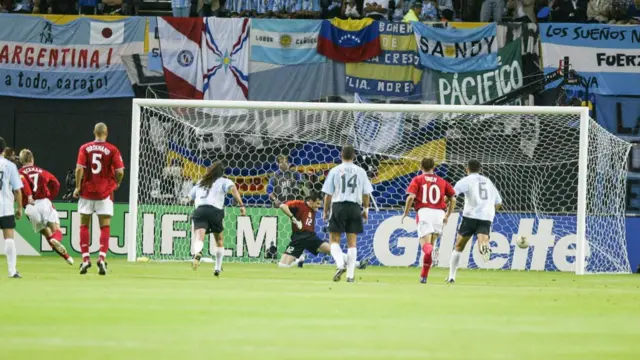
{"x":322,"y":106}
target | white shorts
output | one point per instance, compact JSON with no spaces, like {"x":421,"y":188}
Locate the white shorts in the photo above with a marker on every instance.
{"x":100,"y":207}
{"x":41,"y":213}
{"x":430,"y":221}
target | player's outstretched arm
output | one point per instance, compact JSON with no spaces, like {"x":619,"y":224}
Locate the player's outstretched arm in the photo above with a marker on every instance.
{"x":498,"y":200}
{"x":285,"y":209}
{"x":18,"y":196}
{"x":236,"y":195}
{"x":365,"y":207}
{"x":79,"y":176}
{"x":452,"y":205}
{"x":407,"y":205}
{"x":119,"y":177}
{"x":327,"y":205}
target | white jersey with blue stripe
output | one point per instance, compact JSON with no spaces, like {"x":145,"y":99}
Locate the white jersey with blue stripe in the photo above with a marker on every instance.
{"x":347,"y":182}
{"x":213,"y":196}
{"x":9,"y":182}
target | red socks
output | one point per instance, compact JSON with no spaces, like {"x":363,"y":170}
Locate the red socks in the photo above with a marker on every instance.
{"x":84,"y":243}
{"x":427,"y":260}
{"x":58,"y":237}
{"x":105,"y":233}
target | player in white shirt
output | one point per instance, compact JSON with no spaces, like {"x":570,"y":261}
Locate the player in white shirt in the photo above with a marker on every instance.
{"x":208,"y":195}
{"x":10,"y":192}
{"x":481,"y":200}
{"x":347,"y":190}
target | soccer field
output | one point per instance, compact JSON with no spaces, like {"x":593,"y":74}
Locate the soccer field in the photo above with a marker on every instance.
{"x":257,"y":311}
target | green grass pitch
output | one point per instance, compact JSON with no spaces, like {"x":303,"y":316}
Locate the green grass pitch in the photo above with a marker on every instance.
{"x":257,"y":311}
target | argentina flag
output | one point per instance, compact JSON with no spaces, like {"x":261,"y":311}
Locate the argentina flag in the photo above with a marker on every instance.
{"x":79,"y":59}
{"x":454,"y":50}
{"x":285,"y":42}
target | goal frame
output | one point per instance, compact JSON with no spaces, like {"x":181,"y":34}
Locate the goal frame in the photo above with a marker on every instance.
{"x":582,"y":112}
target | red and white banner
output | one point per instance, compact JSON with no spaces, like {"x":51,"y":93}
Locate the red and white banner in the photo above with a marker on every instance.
{"x":180,"y":40}
{"x":226,"y":59}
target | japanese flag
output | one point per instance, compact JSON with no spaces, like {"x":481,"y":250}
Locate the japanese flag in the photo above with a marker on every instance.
{"x":107,"y":33}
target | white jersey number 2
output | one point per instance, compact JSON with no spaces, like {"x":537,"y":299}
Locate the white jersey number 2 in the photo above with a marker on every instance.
{"x":433,"y":192}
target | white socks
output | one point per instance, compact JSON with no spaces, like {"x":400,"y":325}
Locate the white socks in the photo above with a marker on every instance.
{"x":352,"y":254}
{"x":197,"y":246}
{"x":453,"y":266}
{"x":337,"y":254}
{"x":281,"y":265}
{"x":12,"y":255}
{"x":219,"y":256}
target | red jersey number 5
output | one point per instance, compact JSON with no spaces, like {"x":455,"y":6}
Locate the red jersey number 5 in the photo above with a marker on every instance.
{"x":96,"y":159}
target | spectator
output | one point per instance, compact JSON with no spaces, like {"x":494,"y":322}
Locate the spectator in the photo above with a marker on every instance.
{"x":429,"y":11}
{"x":398,"y":9}
{"x":491,"y":9}
{"x":414,"y":12}
{"x":311,"y":9}
{"x":260,"y":8}
{"x":131,"y":7}
{"x":284,"y":185}
{"x":446,"y":10}
{"x":523,"y":10}
{"x":608,"y":11}
{"x":376,"y":9}
{"x":6,"y":5}
{"x":85,"y":7}
{"x":25,"y":6}
{"x":569,"y":11}
{"x":181,"y":8}
{"x":206,"y":8}
{"x":351,"y":10}
{"x":332,"y":8}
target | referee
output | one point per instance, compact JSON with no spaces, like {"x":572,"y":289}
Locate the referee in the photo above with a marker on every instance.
{"x":347,"y":189}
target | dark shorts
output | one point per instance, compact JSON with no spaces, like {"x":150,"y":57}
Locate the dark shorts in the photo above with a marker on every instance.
{"x":209,"y":218}
{"x":346,"y":217}
{"x":8,"y":222}
{"x":470,"y":227}
{"x":303,"y":241}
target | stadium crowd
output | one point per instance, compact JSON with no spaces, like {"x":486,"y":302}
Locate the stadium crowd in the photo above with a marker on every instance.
{"x":601,"y":11}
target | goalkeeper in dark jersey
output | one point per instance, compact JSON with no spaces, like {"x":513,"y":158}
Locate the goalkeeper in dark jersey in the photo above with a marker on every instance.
{"x":304,"y":237}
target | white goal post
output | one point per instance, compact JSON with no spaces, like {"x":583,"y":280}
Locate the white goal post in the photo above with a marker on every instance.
{"x":535,"y":152}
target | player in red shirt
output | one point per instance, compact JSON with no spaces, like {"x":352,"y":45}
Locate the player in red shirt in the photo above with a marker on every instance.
{"x":99,"y":172}
{"x":430,"y":193}
{"x":303,"y":227}
{"x":41,"y":213}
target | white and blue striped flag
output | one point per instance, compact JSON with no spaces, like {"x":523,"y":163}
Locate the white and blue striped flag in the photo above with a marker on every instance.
{"x":285,"y":42}
{"x":80,"y":59}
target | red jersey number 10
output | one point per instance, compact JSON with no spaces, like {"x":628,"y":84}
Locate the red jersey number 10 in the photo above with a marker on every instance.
{"x":431,"y":194}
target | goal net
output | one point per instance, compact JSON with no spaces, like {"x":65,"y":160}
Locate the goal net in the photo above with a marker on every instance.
{"x":556,"y":188}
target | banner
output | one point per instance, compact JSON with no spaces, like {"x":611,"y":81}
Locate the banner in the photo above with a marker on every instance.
{"x":225,"y":56}
{"x":457,"y":50}
{"x":394,"y":72}
{"x":180,"y":40}
{"x":78,"y":60}
{"x":607,"y":55}
{"x":374,"y":132}
{"x":476,"y":88}
{"x":154,"y":59}
{"x":349,"y":40}
{"x":285,"y":42}
{"x":390,"y":241}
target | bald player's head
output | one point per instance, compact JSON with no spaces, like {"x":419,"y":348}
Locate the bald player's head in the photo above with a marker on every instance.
{"x":101,"y":131}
